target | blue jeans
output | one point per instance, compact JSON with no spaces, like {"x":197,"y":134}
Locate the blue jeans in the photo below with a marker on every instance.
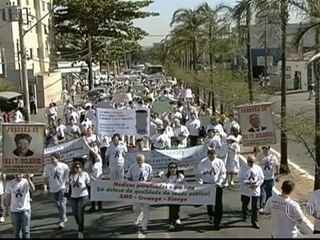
{"x":78,"y":205}
{"x":266,"y":191}
{"x":61,"y":203}
{"x":21,"y":221}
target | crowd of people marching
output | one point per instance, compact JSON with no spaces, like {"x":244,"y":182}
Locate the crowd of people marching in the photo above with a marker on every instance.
{"x":178,"y":128}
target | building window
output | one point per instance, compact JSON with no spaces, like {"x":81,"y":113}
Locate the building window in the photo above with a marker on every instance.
{"x":18,"y":2}
{"x":27,"y":2}
{"x":4,"y":14}
{"x":45,"y":28}
{"x":38,"y":52}
{"x":44,"y":6}
{"x":31,"y":53}
{"x":49,"y":7}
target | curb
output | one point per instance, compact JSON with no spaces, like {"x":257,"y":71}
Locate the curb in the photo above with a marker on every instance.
{"x":276,"y":191}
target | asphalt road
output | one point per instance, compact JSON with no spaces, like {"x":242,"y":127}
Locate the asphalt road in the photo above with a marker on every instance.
{"x":116,"y":220}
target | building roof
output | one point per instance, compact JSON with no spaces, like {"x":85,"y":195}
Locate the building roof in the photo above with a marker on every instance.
{"x":9,"y":95}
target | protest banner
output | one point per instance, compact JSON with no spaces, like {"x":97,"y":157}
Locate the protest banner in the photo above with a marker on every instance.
{"x":68,"y":150}
{"x":256,"y":124}
{"x":120,"y":98}
{"x":125,"y":122}
{"x":186,"y":158}
{"x":22,"y":148}
{"x":153,"y":193}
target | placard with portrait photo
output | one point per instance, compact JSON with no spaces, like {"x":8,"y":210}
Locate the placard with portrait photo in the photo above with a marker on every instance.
{"x":23,"y":146}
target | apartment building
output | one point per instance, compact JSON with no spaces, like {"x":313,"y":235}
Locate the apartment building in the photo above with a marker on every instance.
{"x":42,"y":83}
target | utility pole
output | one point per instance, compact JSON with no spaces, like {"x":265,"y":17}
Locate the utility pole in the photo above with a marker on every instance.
{"x":24,"y":67}
{"x":90,"y":77}
{"x":19,"y":66}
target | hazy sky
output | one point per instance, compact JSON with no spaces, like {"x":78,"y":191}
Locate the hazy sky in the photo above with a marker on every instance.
{"x":160,"y":25}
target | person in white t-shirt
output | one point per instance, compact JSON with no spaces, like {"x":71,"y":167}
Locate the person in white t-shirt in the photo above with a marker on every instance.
{"x":286,"y":213}
{"x":181,"y":134}
{"x":2,"y":207}
{"x":251,"y":178}
{"x":57,"y":174}
{"x":18,"y":116}
{"x":193,"y":126}
{"x":271,"y":168}
{"x":232,"y":159}
{"x":74,"y":130}
{"x":161,"y":140}
{"x":95,"y":173}
{"x":141,"y":172}
{"x":79,"y":181}
{"x":313,"y":207}
{"x":116,"y":155}
{"x":61,"y":130}
{"x":18,"y":198}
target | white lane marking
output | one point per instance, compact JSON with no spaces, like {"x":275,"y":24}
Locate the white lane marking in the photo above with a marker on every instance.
{"x":276,"y":191}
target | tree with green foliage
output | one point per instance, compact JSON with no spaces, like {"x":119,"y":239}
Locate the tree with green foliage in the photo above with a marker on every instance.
{"x":83,"y":27}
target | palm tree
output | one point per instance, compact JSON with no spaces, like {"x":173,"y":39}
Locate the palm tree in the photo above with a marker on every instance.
{"x":312,"y":9}
{"x":243,"y":10}
{"x":188,"y":22}
{"x":213,"y":26}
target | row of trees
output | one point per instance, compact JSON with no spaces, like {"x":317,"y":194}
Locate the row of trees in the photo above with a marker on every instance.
{"x":214,"y":35}
{"x":97,"y":30}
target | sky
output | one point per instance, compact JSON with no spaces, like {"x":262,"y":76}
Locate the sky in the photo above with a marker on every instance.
{"x":160,"y":25}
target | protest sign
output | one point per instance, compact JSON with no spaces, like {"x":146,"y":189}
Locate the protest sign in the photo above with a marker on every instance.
{"x":186,"y":158}
{"x":125,"y":122}
{"x":68,"y":150}
{"x":153,"y":193}
{"x":22,"y":148}
{"x":256,"y":124}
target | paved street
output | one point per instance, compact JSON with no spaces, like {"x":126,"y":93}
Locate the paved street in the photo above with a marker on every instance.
{"x":116,"y":221}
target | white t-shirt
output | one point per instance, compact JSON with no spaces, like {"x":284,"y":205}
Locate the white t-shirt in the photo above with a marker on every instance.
{"x":116,"y":155}
{"x":182,"y":133}
{"x":93,"y":140}
{"x":140,"y":174}
{"x":1,"y":184}
{"x":61,"y":130}
{"x":212,"y":172}
{"x":313,"y":206}
{"x":86,"y":123}
{"x":169,"y":131}
{"x":74,"y":129}
{"x":285,"y":215}
{"x":252,"y":175}
{"x":161,"y":141}
{"x":74,"y":115}
{"x":57,"y":176}
{"x":268,"y":165}
{"x":96,"y":170}
{"x":20,"y":196}
{"x":194,"y":127}
{"x":79,"y":185}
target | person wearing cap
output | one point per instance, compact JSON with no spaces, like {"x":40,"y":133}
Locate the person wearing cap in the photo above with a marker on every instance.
{"x":116,"y":155}
{"x":212,"y":170}
{"x":251,"y":178}
{"x":23,"y":142}
{"x":141,"y":172}
{"x":232,"y":159}
{"x":193,"y":126}
{"x":160,"y":140}
{"x":271,"y":169}
{"x":181,"y":134}
{"x":56,"y":177}
{"x":18,"y":199}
